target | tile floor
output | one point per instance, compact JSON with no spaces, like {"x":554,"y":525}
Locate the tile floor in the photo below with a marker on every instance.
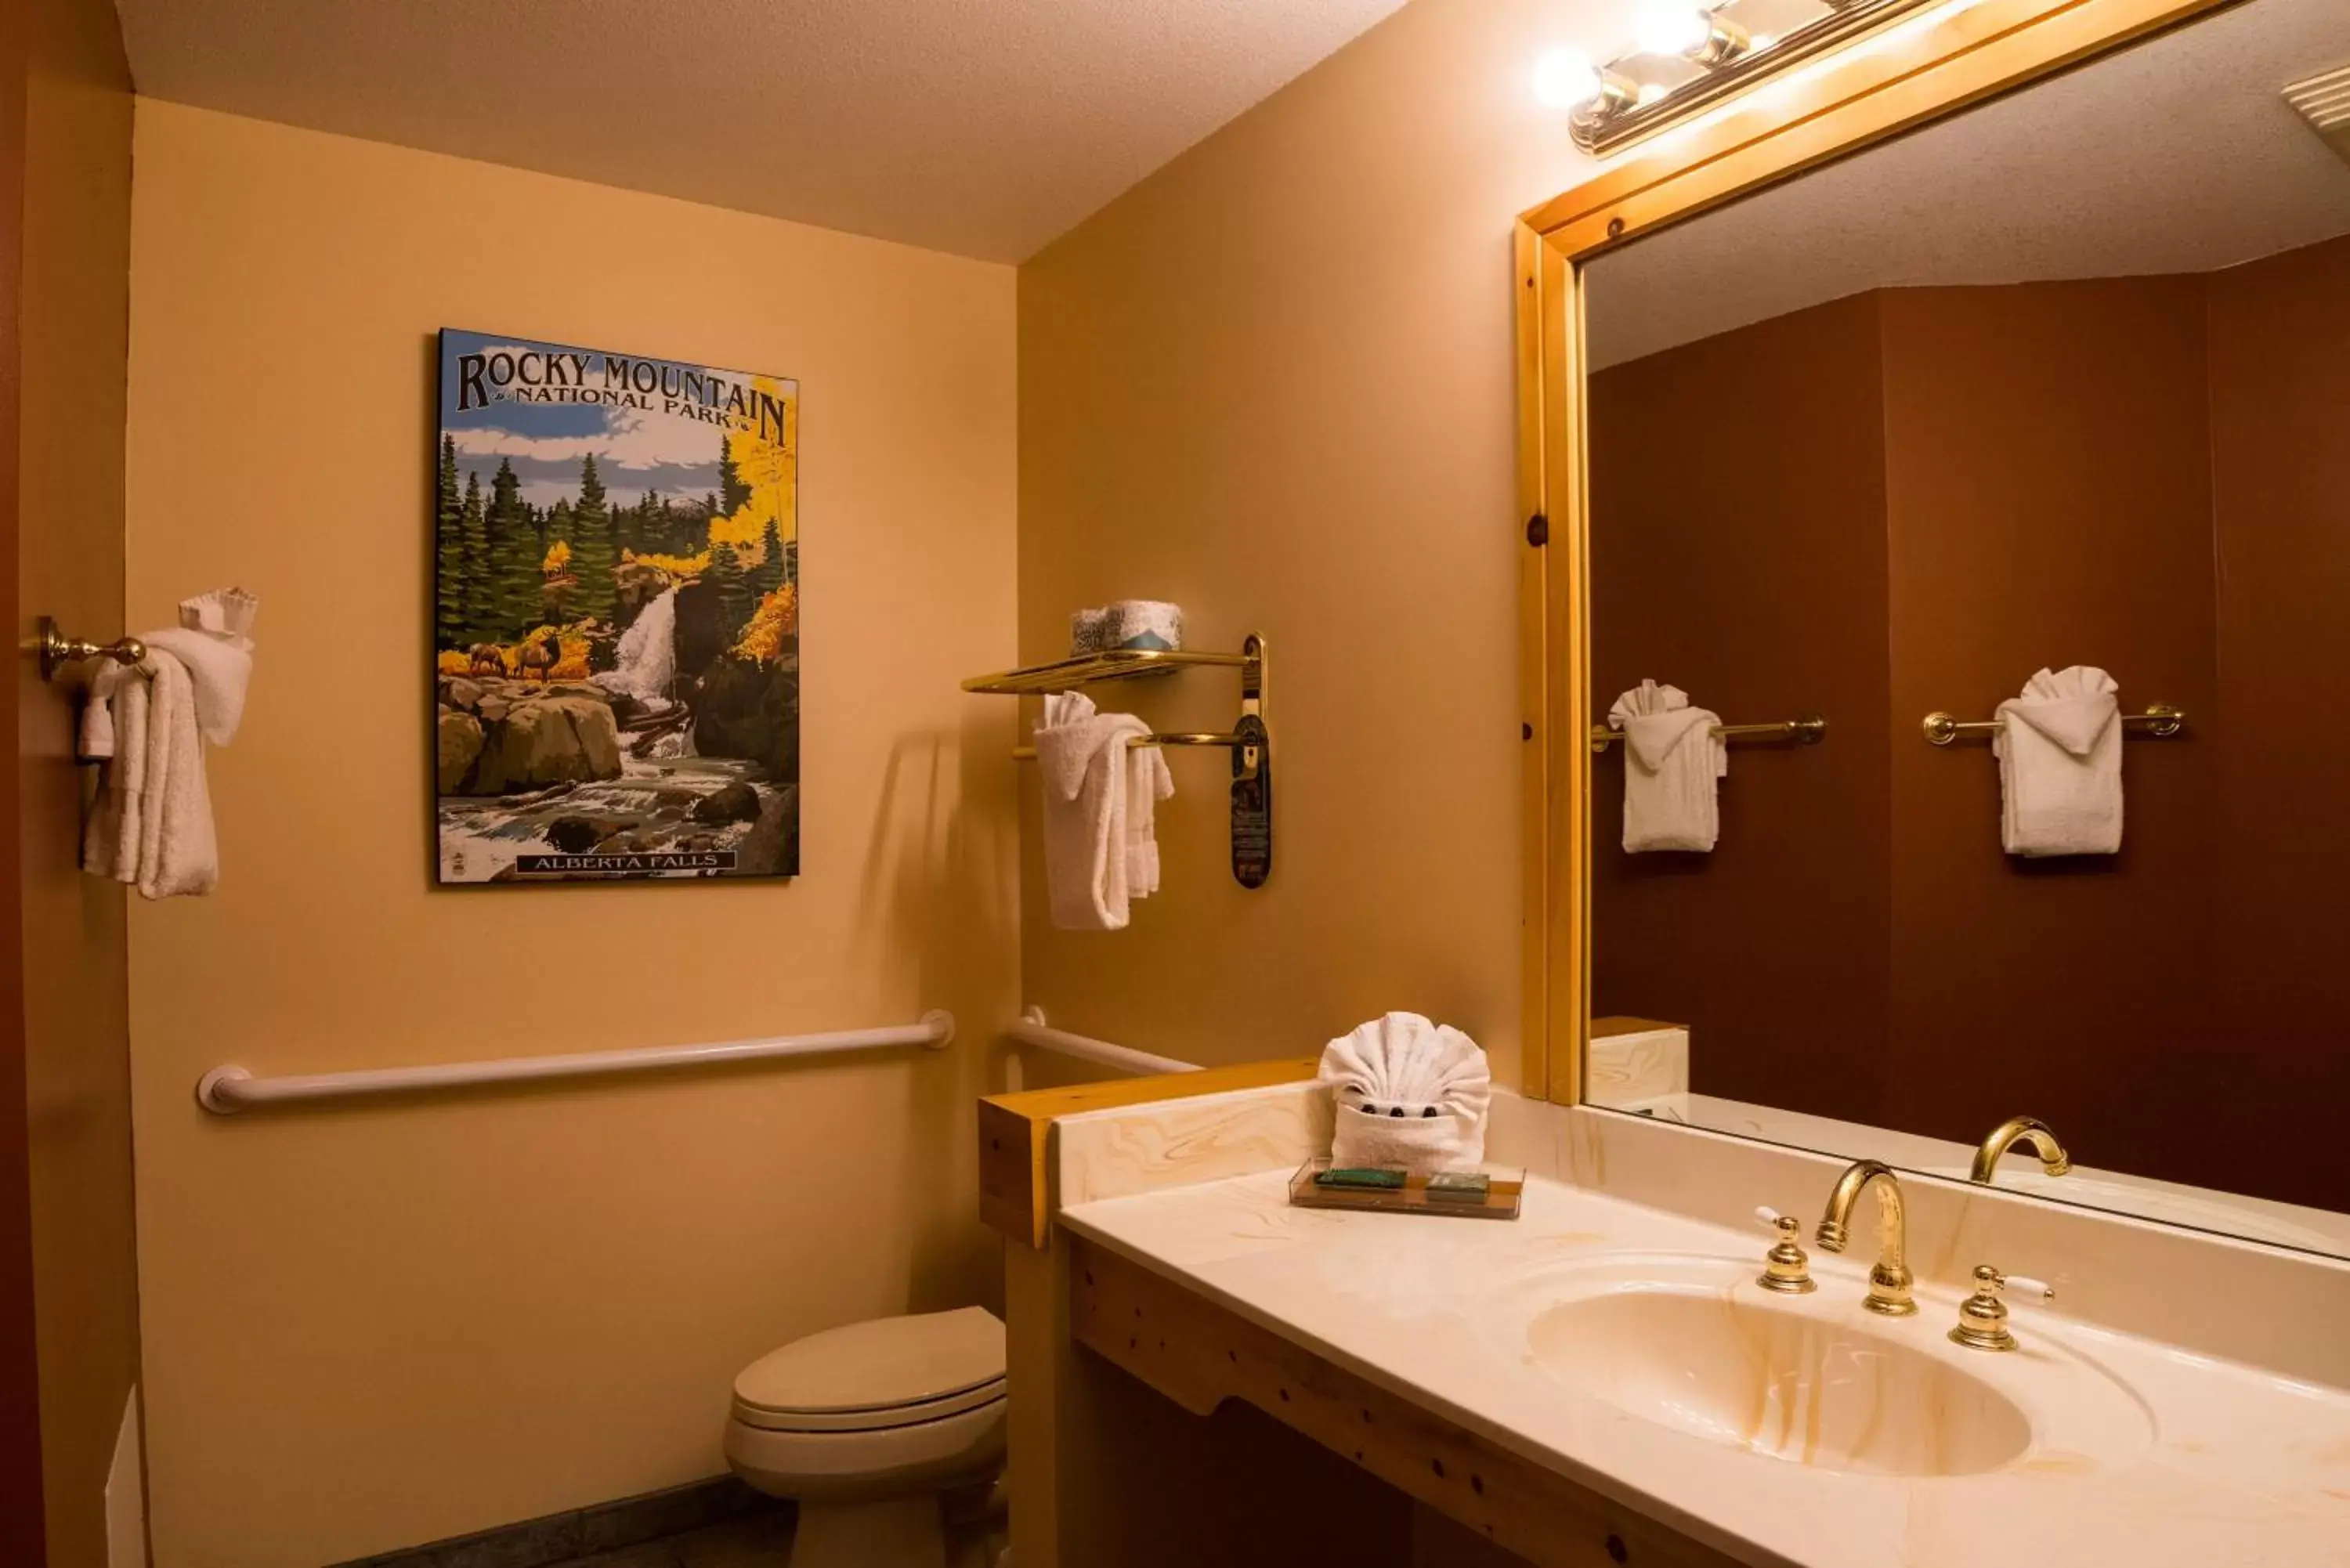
{"x":761,"y":1540}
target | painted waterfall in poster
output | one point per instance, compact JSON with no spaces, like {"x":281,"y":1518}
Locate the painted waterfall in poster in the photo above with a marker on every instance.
{"x":614,"y":616}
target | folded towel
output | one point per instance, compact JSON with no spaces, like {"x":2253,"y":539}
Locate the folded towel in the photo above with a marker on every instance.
{"x":152,"y":826}
{"x":2059,"y":764}
{"x":1407,"y":1091}
{"x":210,"y":641}
{"x":1090,"y":781}
{"x":1672,"y":762}
{"x":1147,"y":782}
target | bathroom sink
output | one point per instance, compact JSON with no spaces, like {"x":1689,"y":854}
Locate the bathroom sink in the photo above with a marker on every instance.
{"x":1691,"y":1344}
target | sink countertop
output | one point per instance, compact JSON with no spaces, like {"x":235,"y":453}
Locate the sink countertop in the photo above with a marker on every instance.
{"x":2242,"y":1467}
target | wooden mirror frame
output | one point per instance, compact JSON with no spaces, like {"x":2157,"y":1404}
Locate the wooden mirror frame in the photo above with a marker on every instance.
{"x":1912,"y":72}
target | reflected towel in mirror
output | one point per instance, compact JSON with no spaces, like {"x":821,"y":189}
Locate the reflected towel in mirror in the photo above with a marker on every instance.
{"x":1672,"y":764}
{"x":2059,"y":764}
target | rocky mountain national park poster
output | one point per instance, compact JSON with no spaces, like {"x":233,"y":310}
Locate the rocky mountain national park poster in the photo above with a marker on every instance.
{"x":614,"y":616}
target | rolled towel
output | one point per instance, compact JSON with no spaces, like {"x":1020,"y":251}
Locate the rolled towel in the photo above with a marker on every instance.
{"x":1406,"y":1092}
{"x":1672,"y":766}
{"x":2059,"y":764}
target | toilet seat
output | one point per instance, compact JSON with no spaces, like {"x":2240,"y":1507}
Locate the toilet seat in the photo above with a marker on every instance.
{"x":882,"y":1376}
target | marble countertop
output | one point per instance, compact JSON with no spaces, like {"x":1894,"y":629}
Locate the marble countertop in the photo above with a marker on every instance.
{"x":2195,"y":1461}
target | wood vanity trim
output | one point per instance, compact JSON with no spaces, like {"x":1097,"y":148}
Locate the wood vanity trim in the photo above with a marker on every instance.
{"x":1015,"y":1133}
{"x":1199,"y":1354}
{"x":1891,"y":82}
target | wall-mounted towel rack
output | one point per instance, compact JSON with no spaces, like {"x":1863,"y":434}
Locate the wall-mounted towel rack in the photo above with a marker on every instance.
{"x":1250,"y":741}
{"x":1808,"y":730}
{"x":2160,"y":719}
{"x":228,"y":1087}
{"x":57,"y":650}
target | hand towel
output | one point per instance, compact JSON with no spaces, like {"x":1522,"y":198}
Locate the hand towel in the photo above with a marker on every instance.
{"x":1407,"y":1091}
{"x":152,"y":826}
{"x":2059,"y":764}
{"x":210,"y":641}
{"x":1088,"y":848}
{"x":1671,"y":765}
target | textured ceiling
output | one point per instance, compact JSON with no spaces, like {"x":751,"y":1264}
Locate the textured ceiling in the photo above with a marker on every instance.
{"x":2176,"y":156}
{"x":982,"y":126}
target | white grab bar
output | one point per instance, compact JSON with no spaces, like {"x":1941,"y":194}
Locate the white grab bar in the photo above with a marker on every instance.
{"x":228,"y":1087}
{"x":1031,"y":1029}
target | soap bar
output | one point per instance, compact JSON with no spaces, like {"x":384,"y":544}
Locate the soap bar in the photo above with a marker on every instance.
{"x":1458,"y":1186}
{"x":1376,"y":1178}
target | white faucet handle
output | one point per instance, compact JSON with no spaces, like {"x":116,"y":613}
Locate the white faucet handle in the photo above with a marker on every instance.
{"x":2041,"y":1288}
{"x":1771,"y":1217}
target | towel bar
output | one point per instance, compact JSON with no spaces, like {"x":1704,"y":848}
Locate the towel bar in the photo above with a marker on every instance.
{"x":1808,"y":730}
{"x":57,"y":650}
{"x":2160,"y":719}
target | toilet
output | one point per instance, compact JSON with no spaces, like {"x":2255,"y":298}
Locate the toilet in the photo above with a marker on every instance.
{"x":868,"y":1428}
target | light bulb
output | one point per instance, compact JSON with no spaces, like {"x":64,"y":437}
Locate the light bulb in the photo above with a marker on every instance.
{"x":1673,"y":29}
{"x":1564,"y":79}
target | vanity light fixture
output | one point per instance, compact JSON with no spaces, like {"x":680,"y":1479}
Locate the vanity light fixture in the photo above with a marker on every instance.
{"x":1652,"y":87}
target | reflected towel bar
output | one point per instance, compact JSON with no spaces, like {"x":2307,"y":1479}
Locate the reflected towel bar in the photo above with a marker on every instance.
{"x":1193,"y":738}
{"x":229,"y":1088}
{"x":1030,"y":1029}
{"x":1808,"y":730}
{"x":2160,"y":719}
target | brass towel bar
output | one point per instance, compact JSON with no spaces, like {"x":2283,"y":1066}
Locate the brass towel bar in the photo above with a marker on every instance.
{"x":1028,"y":753}
{"x":2160,"y":719}
{"x":57,"y":650}
{"x":1807,"y":730}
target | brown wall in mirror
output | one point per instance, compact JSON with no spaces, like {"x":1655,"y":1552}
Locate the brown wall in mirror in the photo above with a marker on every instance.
{"x":1910,"y":500}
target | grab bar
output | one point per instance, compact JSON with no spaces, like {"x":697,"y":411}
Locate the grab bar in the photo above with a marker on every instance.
{"x":229,"y":1088}
{"x":1031,"y":1029}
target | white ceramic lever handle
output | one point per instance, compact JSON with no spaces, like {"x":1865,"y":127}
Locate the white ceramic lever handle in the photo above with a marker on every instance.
{"x":1768,"y":1215}
{"x":2041,"y":1288}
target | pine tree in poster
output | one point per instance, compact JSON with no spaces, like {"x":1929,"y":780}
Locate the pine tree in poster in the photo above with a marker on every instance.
{"x":733,"y":591}
{"x":768,"y":575}
{"x":593,"y":552}
{"x":559,"y":586}
{"x":449,"y":558}
{"x":474,"y":566}
{"x":514,"y":555}
{"x":734,"y":494}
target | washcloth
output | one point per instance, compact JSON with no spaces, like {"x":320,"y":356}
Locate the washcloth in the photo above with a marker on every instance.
{"x":1406,"y":1092}
{"x":1147,"y":782}
{"x":2059,"y":764}
{"x":1089,"y":849}
{"x":1673,"y":761}
{"x":152,"y":824}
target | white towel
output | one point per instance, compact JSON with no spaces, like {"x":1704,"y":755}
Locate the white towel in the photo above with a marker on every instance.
{"x":152,"y":826}
{"x":1409,"y":1093}
{"x":2059,"y":764}
{"x":210,"y":641}
{"x":1091,"y":854}
{"x":1672,"y":763}
{"x":1147,"y":782}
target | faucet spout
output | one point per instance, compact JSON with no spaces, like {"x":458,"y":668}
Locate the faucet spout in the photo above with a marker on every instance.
{"x":1889,"y":1281}
{"x":2015,"y":1130}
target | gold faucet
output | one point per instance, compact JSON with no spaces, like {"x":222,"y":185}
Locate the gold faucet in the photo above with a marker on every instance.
{"x":1889,"y":1282}
{"x":2016,"y":1130}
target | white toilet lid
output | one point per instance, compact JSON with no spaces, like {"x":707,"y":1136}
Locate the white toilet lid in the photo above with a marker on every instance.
{"x":889,"y":1371}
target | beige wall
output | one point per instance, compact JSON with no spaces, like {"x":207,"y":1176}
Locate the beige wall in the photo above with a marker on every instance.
{"x":1274,"y":383}
{"x":73,"y":320}
{"x":374,"y":1326}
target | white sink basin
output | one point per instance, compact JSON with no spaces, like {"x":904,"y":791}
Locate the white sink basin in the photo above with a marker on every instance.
{"x":1693,"y":1345}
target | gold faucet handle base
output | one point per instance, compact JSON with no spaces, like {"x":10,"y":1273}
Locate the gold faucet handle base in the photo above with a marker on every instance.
{"x":1983,"y":1316}
{"x":1785,"y":1269}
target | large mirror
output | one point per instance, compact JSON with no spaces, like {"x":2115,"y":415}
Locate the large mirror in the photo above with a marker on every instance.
{"x":2036,"y":420}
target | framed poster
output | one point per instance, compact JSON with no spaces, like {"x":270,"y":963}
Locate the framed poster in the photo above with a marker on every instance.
{"x":615,"y":617}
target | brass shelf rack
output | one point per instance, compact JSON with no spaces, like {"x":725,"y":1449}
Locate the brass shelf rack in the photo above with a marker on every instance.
{"x":1250,"y":740}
